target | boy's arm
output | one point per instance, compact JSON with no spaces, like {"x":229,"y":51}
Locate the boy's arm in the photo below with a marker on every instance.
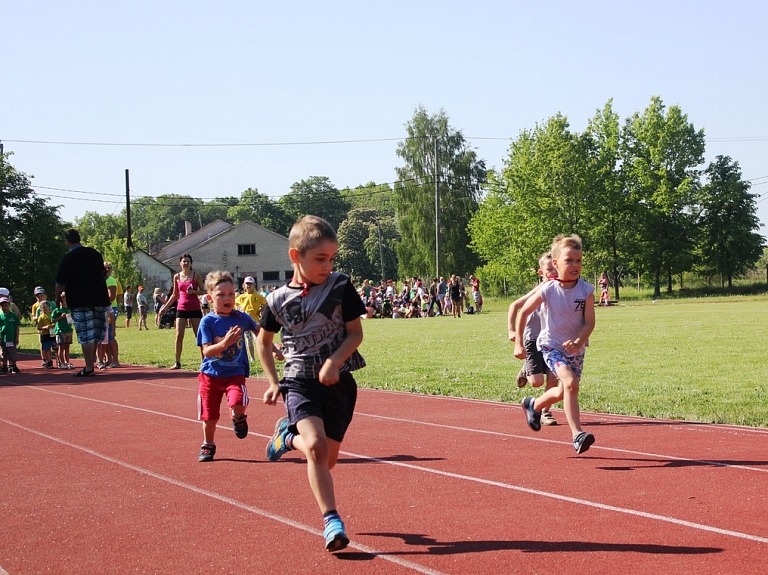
{"x":216,"y":349}
{"x":264,"y":346}
{"x":586,"y":329}
{"x":329,"y":373}
{"x":528,"y":308}
{"x":515,"y":307}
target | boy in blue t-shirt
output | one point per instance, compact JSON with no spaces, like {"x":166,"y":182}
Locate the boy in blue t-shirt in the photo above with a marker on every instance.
{"x":225,"y":361}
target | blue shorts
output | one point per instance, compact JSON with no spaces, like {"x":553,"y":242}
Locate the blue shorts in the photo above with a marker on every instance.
{"x":555,"y":358}
{"x":90,"y":323}
{"x":334,"y":404}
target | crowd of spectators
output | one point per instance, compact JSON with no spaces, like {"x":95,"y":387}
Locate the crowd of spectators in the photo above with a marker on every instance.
{"x":416,"y":299}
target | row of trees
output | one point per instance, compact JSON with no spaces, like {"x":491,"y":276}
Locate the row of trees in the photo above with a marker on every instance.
{"x":635,"y":191}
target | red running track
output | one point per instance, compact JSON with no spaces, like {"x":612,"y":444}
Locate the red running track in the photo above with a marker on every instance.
{"x":100,"y":475}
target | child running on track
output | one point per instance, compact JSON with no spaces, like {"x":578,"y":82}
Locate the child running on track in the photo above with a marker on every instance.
{"x":225,"y":361}
{"x":319,"y":314}
{"x":534,"y":370}
{"x":568,"y":318}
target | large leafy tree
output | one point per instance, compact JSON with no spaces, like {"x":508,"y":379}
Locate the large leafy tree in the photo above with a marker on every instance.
{"x":161,"y":219}
{"x":258,"y":208}
{"x":661,"y":152}
{"x":438,"y":162}
{"x":367,"y":245}
{"x":543,"y":189}
{"x":32,"y":236}
{"x":729,"y":242}
{"x":379,"y":197}
{"x":610,"y":219}
{"x":315,"y":196}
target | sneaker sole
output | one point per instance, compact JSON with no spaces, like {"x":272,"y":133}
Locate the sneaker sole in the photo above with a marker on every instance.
{"x":337,"y":543}
{"x":588,"y":441}
{"x":275,"y":433}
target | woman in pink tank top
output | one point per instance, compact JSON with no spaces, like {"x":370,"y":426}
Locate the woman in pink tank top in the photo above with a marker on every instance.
{"x":188,"y":286}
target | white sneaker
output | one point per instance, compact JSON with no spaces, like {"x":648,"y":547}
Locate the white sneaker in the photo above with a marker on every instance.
{"x":547,"y":418}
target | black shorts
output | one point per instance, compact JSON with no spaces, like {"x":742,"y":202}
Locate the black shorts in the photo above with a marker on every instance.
{"x":534,"y":359}
{"x":334,"y":404}
{"x":195,"y":314}
{"x":128,"y":312}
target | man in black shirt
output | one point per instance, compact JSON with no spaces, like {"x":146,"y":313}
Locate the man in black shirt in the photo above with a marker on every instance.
{"x":81,"y":274}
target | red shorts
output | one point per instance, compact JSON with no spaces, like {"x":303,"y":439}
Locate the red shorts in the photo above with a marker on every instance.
{"x":212,"y":389}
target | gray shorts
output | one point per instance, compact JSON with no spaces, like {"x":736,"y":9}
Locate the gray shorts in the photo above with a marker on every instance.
{"x":534,"y":360}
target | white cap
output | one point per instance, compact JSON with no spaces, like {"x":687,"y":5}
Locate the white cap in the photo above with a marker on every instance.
{"x":249,"y":280}
{"x":4,"y":292}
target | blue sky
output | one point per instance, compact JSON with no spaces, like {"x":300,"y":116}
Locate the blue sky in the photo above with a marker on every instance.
{"x":258,"y":78}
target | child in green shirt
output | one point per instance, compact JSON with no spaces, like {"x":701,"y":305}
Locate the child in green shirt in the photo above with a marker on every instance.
{"x":9,"y":336}
{"x":61,"y":318}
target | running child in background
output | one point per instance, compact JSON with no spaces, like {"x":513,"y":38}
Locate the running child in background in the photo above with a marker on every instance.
{"x":225,"y":363}
{"x":62,"y":331}
{"x":534,"y":369}
{"x":568,"y":318}
{"x":319,"y":314}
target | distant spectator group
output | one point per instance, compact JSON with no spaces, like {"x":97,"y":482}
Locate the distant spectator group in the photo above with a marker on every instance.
{"x":416,"y":299}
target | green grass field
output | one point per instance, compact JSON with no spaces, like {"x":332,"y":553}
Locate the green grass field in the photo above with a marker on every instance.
{"x":699,"y":360}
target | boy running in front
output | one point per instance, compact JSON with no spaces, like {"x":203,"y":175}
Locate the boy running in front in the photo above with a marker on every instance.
{"x":319,"y":313}
{"x":568,"y":318}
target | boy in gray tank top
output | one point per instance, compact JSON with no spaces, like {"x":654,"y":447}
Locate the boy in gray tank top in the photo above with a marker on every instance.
{"x":567,"y":320}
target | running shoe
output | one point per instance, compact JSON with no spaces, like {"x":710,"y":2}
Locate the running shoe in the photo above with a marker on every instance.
{"x":522,"y":379}
{"x":206,"y":452}
{"x":14,"y":369}
{"x":582,"y":442}
{"x":335,"y":536}
{"x":240,"y":425}
{"x":276,"y":445}
{"x":532,"y":416}
{"x":547,"y":418}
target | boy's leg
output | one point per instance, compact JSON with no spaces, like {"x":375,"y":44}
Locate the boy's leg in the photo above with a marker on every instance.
{"x":315,"y":446}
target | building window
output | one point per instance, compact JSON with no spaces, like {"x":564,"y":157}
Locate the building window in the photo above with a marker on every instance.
{"x":246,"y":249}
{"x":271,"y":276}
{"x":288,"y":274}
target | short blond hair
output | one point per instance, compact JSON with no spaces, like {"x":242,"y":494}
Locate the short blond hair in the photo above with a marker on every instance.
{"x":308,"y":232}
{"x":546,"y":256}
{"x":215,"y":278}
{"x":560,"y":242}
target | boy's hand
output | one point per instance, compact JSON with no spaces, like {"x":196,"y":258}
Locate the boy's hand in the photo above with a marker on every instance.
{"x":329,"y":373}
{"x":278,"y":353}
{"x":235,"y":333}
{"x":271,"y":395}
{"x":572,"y":346}
{"x":512,"y":335}
{"x":519,"y":350}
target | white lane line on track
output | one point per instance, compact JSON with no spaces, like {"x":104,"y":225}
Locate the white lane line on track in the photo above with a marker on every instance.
{"x":224,"y":499}
{"x":490,"y":482}
{"x":621,"y":451}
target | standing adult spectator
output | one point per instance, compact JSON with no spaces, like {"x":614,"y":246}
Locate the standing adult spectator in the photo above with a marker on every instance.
{"x":442,"y":290}
{"x":188,"y":286}
{"x":476,"y":295}
{"x":81,"y":273}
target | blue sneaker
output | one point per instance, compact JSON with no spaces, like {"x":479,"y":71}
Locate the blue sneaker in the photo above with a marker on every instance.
{"x":532,"y":416}
{"x":582,"y":442}
{"x":335,"y":536}
{"x":276,"y":445}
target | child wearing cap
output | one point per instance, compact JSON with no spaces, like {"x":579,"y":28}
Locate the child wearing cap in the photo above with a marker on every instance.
{"x":250,"y":302}
{"x":9,"y":335}
{"x":40,"y":296}
{"x":44,"y":326}
{"x":5,"y":292}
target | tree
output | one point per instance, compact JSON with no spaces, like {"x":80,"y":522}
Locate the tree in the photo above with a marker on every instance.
{"x":260,"y":209}
{"x":366,"y":245}
{"x":162,"y":219}
{"x":660,"y":152}
{"x":315,"y":196}
{"x":543,"y":189}
{"x":32,"y":235}
{"x":730,"y":244}
{"x":610,"y":220}
{"x":437,"y":161}
{"x":379,"y":197}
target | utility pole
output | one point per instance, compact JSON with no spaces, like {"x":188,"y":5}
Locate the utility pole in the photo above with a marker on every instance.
{"x":128,"y":208}
{"x":437,"y":214}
